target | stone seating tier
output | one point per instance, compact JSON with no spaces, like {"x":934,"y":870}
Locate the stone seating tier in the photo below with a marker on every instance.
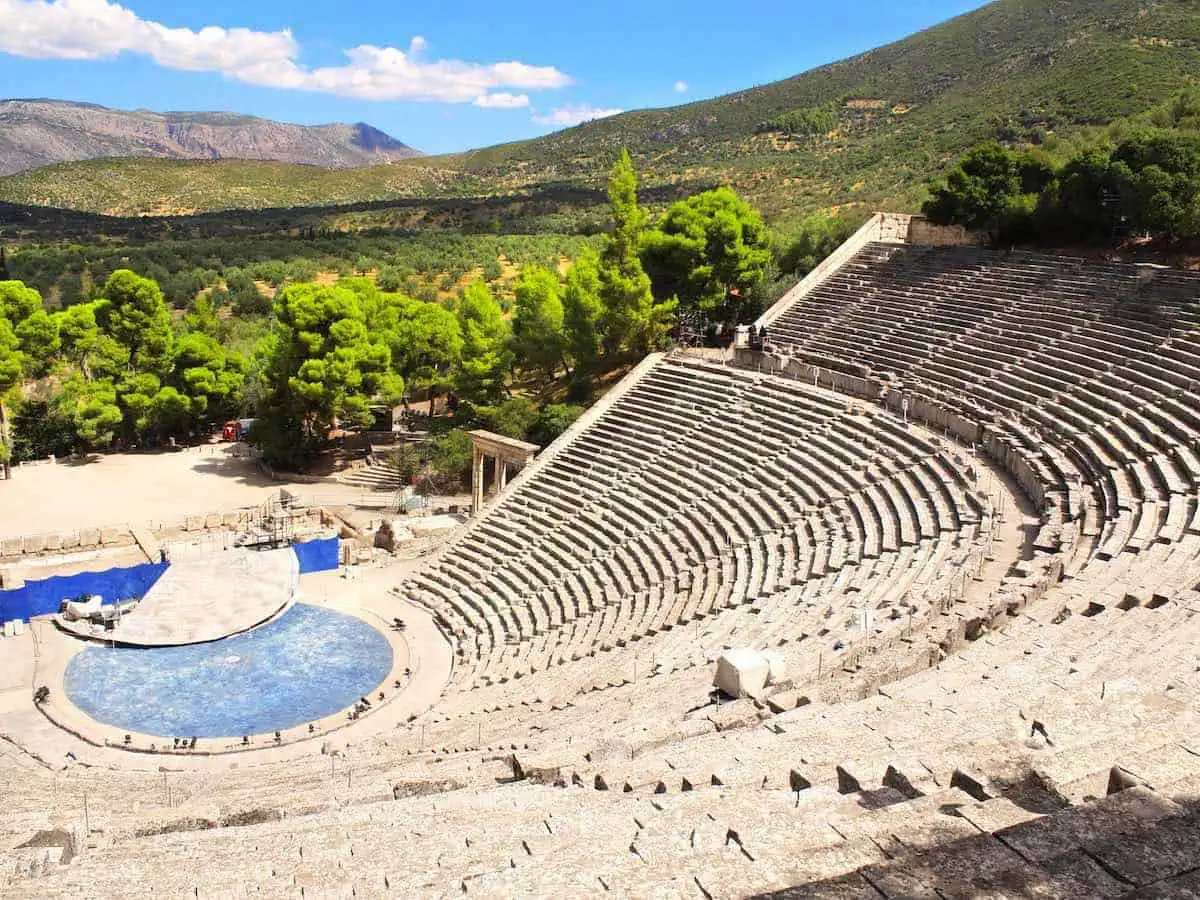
{"x":711,"y":507}
{"x":1085,"y":371}
{"x":683,"y":516}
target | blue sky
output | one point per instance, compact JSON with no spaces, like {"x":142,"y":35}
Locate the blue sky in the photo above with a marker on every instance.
{"x":440,"y":76}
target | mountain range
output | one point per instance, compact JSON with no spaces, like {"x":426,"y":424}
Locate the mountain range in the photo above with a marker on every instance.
{"x":864,"y":132}
{"x":40,"y":132}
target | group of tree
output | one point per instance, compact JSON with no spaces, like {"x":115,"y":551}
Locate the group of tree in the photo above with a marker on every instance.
{"x":1147,"y":184}
{"x":442,"y":464}
{"x":815,"y":237}
{"x":242,"y":271}
{"x":707,"y":254}
{"x":115,"y":367}
{"x":122,"y":369}
{"x":807,"y":120}
{"x":336,"y":350}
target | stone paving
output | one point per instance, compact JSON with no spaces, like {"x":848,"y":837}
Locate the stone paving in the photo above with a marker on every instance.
{"x":141,"y":488}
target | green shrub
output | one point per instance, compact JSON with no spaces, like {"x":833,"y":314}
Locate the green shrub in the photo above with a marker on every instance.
{"x":450,"y":457}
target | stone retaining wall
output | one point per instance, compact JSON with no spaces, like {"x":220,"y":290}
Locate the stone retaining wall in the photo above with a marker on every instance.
{"x":289,"y":477}
{"x":922,"y":231}
{"x":892,"y":228}
{"x":63,"y":541}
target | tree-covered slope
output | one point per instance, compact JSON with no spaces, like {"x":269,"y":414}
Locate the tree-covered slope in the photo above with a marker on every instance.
{"x":170,"y":187}
{"x":1015,"y":69}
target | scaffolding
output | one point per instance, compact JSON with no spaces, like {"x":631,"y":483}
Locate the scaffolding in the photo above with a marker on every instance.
{"x":273,"y":523}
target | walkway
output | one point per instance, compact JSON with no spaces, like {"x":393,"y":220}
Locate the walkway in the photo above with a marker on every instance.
{"x":145,"y":489}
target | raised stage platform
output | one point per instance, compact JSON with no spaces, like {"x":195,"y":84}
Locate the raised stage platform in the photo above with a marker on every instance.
{"x":204,"y":599}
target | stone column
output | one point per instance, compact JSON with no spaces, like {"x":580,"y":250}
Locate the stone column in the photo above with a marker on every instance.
{"x":501,"y":474}
{"x":477,"y":463}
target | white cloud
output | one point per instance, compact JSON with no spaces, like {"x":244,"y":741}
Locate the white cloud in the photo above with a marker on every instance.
{"x":574,"y":114}
{"x":681,"y":87}
{"x":100,"y":29}
{"x":502,"y":100}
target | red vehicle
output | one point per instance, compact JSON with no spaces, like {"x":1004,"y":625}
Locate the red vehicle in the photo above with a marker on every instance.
{"x":236,"y":429}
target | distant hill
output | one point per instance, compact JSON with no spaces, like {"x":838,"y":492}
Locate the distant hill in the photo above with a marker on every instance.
{"x":37,"y":133}
{"x":867,"y":131}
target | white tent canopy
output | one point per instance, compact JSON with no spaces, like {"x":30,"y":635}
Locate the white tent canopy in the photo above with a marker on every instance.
{"x":82,"y":609}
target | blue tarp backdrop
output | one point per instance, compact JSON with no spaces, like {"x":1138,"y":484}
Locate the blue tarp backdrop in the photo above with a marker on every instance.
{"x":40,"y":597}
{"x":317,"y":556}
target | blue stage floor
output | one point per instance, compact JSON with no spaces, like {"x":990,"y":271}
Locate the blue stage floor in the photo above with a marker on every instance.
{"x":307,"y":664}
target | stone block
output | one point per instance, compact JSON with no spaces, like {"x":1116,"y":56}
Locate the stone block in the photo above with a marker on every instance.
{"x":89,"y":537}
{"x":405,"y":789}
{"x":70,"y":540}
{"x":1136,"y":596}
{"x":539,"y":771}
{"x":231,"y":520}
{"x":848,"y":782}
{"x":11,"y":547}
{"x":54,"y":541}
{"x":109,"y":536}
{"x":34,"y":543}
{"x":212,"y":520}
{"x":972,"y":783}
{"x":391,"y":535}
{"x":785,"y":700}
{"x":194,"y":523}
{"x":895,"y":779}
{"x":735,"y":714}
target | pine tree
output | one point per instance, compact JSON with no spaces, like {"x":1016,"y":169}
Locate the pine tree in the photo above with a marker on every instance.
{"x":629,"y":219}
{"x":10,"y":377}
{"x":538,"y":337}
{"x":486,"y":357}
{"x":583,"y":312}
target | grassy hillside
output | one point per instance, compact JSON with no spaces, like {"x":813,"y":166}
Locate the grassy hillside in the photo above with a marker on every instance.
{"x":1019,"y":69}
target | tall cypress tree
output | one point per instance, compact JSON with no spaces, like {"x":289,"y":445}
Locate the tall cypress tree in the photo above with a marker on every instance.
{"x":628,"y":218}
{"x":633,"y":323}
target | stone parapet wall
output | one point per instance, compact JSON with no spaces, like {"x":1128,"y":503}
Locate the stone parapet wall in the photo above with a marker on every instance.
{"x":1005,"y":454}
{"x":933,"y":415}
{"x":115,"y":537}
{"x":871,"y":231}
